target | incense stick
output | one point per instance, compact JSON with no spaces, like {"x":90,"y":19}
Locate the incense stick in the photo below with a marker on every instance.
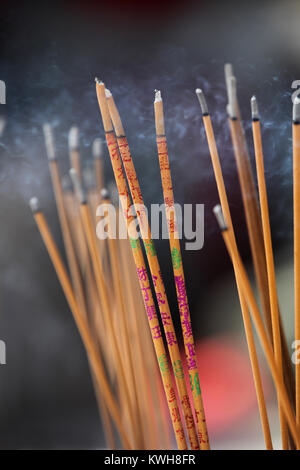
{"x":244,"y":308}
{"x":141,"y":269}
{"x":103,"y":291}
{"x":158,"y":282}
{"x":259,"y":325}
{"x":79,"y":317}
{"x":175,"y":249}
{"x":296,"y":186}
{"x":269,"y":253}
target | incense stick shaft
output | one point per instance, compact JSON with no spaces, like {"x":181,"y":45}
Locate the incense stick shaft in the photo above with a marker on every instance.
{"x":244,"y":307}
{"x":270,"y":264}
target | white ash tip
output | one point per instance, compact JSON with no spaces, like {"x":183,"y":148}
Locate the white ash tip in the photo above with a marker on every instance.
{"x":254,"y":108}
{"x":232,"y":97}
{"x":78,"y":188}
{"x":74,"y":138}
{"x":107,"y":93}
{"x":157,"y":96}
{"x":104,"y":193}
{"x":34,"y":204}
{"x":217,"y":210}
{"x":49,"y":141}
{"x":97,"y":80}
{"x":228,"y":69}
{"x":296,"y":109}
{"x":97,"y":148}
{"x":202,"y":100}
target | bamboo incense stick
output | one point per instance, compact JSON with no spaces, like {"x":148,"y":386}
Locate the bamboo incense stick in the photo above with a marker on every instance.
{"x":158,"y":282}
{"x":141,"y":270}
{"x":269,"y":254}
{"x":244,"y":308}
{"x":296,"y":186}
{"x":79,"y":317}
{"x":103,"y":292}
{"x":116,"y":276}
{"x":97,"y":151}
{"x":58,"y":192}
{"x":249,"y":199}
{"x":253,"y":221}
{"x":259,"y":325}
{"x":175,"y":249}
{"x":74,"y":150}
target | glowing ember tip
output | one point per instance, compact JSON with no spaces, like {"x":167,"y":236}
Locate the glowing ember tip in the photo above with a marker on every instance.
{"x":217,"y":210}
{"x":202,"y":101}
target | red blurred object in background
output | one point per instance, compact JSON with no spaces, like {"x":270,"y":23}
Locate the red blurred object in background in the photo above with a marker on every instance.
{"x":226,"y":382}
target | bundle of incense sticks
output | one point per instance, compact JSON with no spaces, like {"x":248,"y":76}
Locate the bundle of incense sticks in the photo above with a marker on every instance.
{"x":270,"y":329}
{"x":145,"y":399}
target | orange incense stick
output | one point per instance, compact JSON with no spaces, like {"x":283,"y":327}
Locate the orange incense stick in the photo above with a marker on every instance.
{"x":104,"y":296}
{"x":79,"y":317}
{"x":157,"y":280}
{"x":65,"y":228}
{"x":141,"y":270}
{"x":269,"y":254}
{"x":259,"y":325}
{"x":244,"y":308}
{"x":296,"y":186}
{"x":183,"y":305}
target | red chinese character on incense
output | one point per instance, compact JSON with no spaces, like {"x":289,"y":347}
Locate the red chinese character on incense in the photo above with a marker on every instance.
{"x":156,"y":332}
{"x":170,"y":335}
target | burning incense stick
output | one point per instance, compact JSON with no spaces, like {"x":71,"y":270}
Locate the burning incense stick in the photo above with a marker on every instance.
{"x":103,"y":290}
{"x":259,"y":325}
{"x":249,"y":198}
{"x":296,"y":185}
{"x":74,"y":150}
{"x":178,"y":272}
{"x":244,"y":308}
{"x":158,"y":282}
{"x":97,"y":151}
{"x":68,"y":242}
{"x":141,"y":269}
{"x":79,"y":317}
{"x":269,"y":253}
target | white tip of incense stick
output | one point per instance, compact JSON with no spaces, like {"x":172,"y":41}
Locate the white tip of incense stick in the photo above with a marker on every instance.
{"x":97,"y":80}
{"x":254,"y":108}
{"x":104,"y":193}
{"x":97,"y":148}
{"x":202,"y":101}
{"x":34,"y":204}
{"x":107,"y":93}
{"x":49,"y":141}
{"x":296,"y":110}
{"x":74,"y":138}
{"x":232,"y":98}
{"x":157,"y":96}
{"x":77,"y":186}
{"x":217,"y":210}
{"x":228,"y":69}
